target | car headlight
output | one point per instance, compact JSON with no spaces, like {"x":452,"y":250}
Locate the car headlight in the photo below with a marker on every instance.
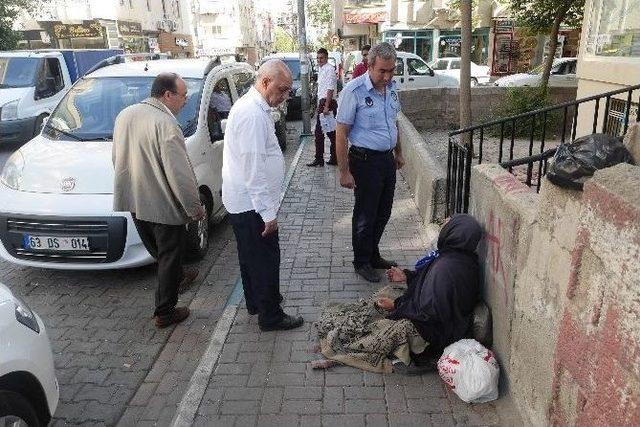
{"x":12,"y":173}
{"x":25,"y":316}
{"x":10,"y":111}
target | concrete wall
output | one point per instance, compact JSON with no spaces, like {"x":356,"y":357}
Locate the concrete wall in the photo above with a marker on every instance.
{"x":426,"y":177}
{"x":561,"y":275}
{"x":439,"y":107}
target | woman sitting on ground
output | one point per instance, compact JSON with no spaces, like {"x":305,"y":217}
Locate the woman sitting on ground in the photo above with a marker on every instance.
{"x":443,"y":291}
{"x":435,"y":310}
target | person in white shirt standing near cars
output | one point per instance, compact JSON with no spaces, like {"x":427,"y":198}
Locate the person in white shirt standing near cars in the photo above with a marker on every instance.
{"x":327,"y":105}
{"x":252,"y":176}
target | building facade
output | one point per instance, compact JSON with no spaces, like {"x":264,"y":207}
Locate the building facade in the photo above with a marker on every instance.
{"x":609,"y":57}
{"x":133,"y":25}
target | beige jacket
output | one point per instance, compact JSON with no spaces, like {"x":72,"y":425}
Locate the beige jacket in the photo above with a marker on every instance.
{"x":153,"y":175}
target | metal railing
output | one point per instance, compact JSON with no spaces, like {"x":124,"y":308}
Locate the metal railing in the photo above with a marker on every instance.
{"x":524,"y":143}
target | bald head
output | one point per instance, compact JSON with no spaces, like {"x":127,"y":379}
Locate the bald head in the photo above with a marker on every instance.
{"x":274,"y":82}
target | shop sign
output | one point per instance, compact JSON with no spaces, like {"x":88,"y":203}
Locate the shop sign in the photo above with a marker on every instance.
{"x":128,"y":28}
{"x":503,"y":25}
{"x":182,"y":42}
{"x":357,"y":17}
{"x":74,"y":31}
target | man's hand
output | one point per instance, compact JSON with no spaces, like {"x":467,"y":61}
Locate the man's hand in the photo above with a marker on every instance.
{"x":346,"y":180}
{"x":386,"y":304}
{"x":270,"y":227}
{"x":394,"y":274}
{"x":326,"y":111}
{"x":201,"y":212}
{"x":399,"y":161}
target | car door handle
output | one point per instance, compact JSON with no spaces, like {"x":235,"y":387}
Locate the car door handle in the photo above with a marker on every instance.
{"x":411,"y":79}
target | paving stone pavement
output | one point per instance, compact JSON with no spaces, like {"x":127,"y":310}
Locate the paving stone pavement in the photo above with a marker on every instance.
{"x":264,"y":378}
{"x":108,"y":355}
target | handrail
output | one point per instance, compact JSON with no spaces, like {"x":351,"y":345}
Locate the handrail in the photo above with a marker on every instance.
{"x":545,"y":109}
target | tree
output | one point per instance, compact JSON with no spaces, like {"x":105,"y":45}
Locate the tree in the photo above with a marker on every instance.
{"x":283,"y":42}
{"x":465,"y":69}
{"x":9,"y":12}
{"x":320,"y":15}
{"x":546,"y":17}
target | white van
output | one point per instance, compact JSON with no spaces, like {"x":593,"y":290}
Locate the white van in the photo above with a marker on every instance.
{"x":33,"y":82}
{"x":57,"y":190}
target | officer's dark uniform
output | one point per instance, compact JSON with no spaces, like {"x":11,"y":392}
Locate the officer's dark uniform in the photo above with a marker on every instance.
{"x":373,"y":136}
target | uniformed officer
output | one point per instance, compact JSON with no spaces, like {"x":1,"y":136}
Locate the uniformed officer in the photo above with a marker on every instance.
{"x":367,"y":115}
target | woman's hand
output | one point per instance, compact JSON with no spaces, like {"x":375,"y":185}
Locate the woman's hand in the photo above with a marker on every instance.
{"x":386,"y":304}
{"x":395,"y":274}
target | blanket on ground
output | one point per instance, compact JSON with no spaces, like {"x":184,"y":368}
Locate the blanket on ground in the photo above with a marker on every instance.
{"x":358,"y":334}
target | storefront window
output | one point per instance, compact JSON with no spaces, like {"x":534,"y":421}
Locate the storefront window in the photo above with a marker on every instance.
{"x":614,"y":28}
{"x":418,"y":42}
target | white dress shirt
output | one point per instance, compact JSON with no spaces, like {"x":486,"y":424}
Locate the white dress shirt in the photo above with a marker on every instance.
{"x":252,"y":162}
{"x":327,"y":80}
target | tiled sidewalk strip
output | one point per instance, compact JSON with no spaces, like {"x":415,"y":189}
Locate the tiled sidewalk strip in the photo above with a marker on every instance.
{"x":263,"y":378}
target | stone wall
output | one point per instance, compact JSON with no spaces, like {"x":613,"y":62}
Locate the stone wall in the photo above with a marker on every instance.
{"x":426,"y":177}
{"x":439,"y":107}
{"x":561,"y":275}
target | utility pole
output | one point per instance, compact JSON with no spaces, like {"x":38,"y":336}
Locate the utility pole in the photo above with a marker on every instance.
{"x":304,"y":69}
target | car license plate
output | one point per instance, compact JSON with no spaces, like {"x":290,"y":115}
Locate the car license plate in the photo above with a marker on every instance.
{"x":56,"y":243}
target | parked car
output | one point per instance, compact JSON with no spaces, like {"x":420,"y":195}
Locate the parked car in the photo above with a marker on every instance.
{"x":480,"y":74}
{"x":412,"y":72}
{"x":28,"y":386}
{"x":57,"y":190}
{"x":563,"y":74}
{"x":294,"y":105}
{"x":33,"y":82}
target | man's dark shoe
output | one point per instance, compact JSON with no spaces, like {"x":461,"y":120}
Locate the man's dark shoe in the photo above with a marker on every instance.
{"x":383,"y":263}
{"x":188,"y":279}
{"x":332,"y":162}
{"x":368,"y":273}
{"x":316,"y":163}
{"x":287,"y":322}
{"x":177,"y":315}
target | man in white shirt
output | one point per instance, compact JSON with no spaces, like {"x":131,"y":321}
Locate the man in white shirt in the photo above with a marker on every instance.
{"x":252,"y":176}
{"x":327,"y":105}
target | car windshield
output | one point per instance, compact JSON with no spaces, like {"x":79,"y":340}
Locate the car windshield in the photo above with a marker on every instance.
{"x":294,"y":67}
{"x":18,"y":72}
{"x":88,"y":111}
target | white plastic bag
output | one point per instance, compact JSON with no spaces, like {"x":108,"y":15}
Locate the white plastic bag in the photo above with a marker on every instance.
{"x":328,"y":123}
{"x":470,"y":370}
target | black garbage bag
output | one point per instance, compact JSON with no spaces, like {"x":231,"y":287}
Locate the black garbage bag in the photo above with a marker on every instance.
{"x":576,"y":162}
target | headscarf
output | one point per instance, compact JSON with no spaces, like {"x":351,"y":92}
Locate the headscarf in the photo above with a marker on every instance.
{"x":441,"y":296}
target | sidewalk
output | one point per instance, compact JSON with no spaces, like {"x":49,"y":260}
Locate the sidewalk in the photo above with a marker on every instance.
{"x":263,"y":378}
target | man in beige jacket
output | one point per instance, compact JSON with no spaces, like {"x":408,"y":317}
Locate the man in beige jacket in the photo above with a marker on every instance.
{"x":154,"y":180}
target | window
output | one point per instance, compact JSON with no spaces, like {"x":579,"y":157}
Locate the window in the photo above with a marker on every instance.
{"x":440,"y":64}
{"x":455,"y":64}
{"x":243,"y":82}
{"x":399,"y":67}
{"x":417,"y":67}
{"x":219,"y":106}
{"x":613,"y":28}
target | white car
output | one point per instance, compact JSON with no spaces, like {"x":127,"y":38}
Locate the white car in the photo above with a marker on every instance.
{"x":412,"y":72}
{"x":28,"y":386}
{"x":563,"y":74}
{"x":480,"y":74}
{"x":57,"y":190}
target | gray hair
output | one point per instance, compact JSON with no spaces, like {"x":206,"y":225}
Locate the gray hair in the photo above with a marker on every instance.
{"x":273,"y":68}
{"x":382,"y":50}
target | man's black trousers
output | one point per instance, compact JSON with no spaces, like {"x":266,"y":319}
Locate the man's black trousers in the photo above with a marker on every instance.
{"x":166,"y":243}
{"x":259,"y":267}
{"x":374,"y":173}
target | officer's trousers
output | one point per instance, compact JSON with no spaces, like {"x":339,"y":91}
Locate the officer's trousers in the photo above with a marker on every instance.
{"x":259,"y":267}
{"x":319,"y":135}
{"x":375,"y":178}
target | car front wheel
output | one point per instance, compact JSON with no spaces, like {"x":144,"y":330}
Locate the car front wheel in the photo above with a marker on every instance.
{"x":198,"y":233}
{"x":17,"y":411}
